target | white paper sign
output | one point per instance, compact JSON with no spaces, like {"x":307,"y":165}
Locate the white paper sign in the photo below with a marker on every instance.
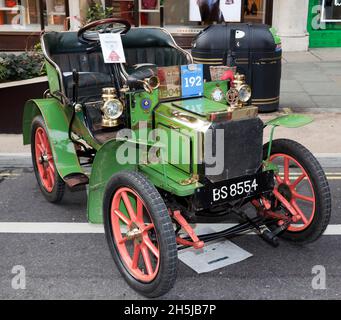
{"x":232,"y":10}
{"x":112,"y":48}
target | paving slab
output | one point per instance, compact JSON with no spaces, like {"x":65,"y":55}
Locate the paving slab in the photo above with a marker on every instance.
{"x":327,"y":54}
{"x":335,"y":78}
{"x":291,"y":86}
{"x":13,"y":143}
{"x":300,"y":100}
{"x":327,"y":101}
{"x":298,"y":57}
{"x":325,"y":88}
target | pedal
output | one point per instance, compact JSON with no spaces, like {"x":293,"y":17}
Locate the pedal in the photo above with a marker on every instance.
{"x":268,"y":236}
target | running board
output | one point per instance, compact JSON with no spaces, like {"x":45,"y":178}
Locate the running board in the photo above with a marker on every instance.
{"x":76,"y":180}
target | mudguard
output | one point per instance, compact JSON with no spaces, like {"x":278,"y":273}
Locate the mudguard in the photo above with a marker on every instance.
{"x":291,"y":121}
{"x":104,"y":167}
{"x":57,"y":123}
{"x":288,"y":121}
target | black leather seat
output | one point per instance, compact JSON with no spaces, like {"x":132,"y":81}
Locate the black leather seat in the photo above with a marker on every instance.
{"x":142,"y":45}
{"x":64,"y":50}
{"x":90,"y":83}
{"x":154,"y":46}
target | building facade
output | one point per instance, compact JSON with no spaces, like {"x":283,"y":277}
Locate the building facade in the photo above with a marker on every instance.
{"x":301,"y":24}
{"x":324,"y":23}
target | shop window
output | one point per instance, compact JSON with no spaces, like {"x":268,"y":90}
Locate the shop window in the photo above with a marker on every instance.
{"x":124,"y":9}
{"x":55,"y":14}
{"x":177,"y":13}
{"x":254,"y":11}
{"x":331,"y":11}
{"x":19,"y":15}
{"x":149,"y":12}
{"x":137,"y":12}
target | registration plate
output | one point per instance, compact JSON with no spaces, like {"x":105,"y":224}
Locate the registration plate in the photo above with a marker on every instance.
{"x":235,"y":189}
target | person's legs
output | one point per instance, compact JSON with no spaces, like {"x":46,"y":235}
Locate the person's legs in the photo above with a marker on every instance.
{"x":210,"y":11}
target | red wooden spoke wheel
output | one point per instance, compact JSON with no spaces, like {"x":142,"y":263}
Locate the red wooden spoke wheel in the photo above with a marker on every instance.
{"x":135,"y":235}
{"x":44,"y":160}
{"x":302,"y":193}
{"x":140,"y":233}
{"x":288,"y":183}
{"x":51,"y":184}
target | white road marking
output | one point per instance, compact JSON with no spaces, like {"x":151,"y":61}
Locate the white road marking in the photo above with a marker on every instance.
{"x":86,"y":228}
{"x":50,"y":228}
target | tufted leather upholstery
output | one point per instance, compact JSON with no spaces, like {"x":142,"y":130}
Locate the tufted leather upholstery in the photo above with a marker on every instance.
{"x":90,"y":84}
{"x":65,"y":50}
{"x":141,"y":45}
{"x":161,"y":57}
{"x":81,"y":61}
{"x":152,"y":45}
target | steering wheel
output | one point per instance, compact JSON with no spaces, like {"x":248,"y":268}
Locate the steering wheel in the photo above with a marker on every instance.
{"x":89,"y":34}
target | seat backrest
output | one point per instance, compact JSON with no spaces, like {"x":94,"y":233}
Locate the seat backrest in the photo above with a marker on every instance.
{"x":141,"y":45}
{"x":68,"y":53}
{"x":153,"y":45}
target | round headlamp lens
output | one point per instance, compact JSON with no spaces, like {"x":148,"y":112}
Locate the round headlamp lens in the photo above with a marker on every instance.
{"x":245,"y":93}
{"x":113,"y":109}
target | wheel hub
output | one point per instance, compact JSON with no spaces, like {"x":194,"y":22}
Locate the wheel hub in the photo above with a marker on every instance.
{"x":285,"y":191}
{"x":134,"y":233}
{"x":43,"y":159}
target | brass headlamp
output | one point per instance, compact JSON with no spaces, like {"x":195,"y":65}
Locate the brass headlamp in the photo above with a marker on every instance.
{"x":240,"y":94}
{"x":112,"y":108}
{"x":151,"y":84}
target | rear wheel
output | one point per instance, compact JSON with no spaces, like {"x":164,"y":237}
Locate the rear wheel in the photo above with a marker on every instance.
{"x":140,"y":234}
{"x":302,"y":188}
{"x":49,"y":181}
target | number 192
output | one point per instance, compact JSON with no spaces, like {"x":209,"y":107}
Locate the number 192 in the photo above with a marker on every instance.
{"x":193,"y":82}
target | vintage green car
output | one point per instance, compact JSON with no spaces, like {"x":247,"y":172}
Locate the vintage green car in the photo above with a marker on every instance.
{"x":166,"y":149}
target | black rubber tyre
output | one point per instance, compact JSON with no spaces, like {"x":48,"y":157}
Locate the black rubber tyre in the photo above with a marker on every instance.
{"x":320,"y":185}
{"x":57,"y":194}
{"x":159,"y":215}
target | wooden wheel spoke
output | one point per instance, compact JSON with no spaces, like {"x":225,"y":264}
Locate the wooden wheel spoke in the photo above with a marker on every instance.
{"x":47,"y":178}
{"x":139,"y":210}
{"x":123,"y":240}
{"x":299,"y":212}
{"x":129,"y":206}
{"x":279,"y":179}
{"x":136,"y":256}
{"x":44,"y":172}
{"x":148,"y":227}
{"x":302,"y":197}
{"x":51,"y":167}
{"x":50,"y":175}
{"x":40,"y":148}
{"x":286,"y":170}
{"x":122,"y":217}
{"x":299,"y":180}
{"x":45,"y":140}
{"x":151,"y":247}
{"x":40,"y":138}
{"x":146,"y":259}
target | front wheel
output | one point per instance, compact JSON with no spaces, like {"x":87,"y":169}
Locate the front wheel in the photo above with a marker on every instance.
{"x":302,"y":187}
{"x":140,"y":234}
{"x":51,"y":184}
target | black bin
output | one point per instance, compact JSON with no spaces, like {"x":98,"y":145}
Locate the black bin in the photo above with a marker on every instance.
{"x":255,"y":49}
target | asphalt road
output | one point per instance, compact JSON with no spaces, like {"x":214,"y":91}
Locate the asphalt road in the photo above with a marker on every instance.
{"x":79,"y":266}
